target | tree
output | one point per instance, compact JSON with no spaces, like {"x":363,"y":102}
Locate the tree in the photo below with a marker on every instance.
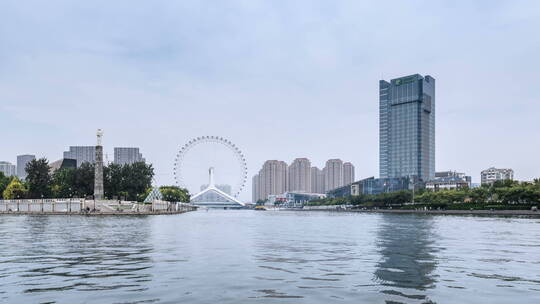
{"x":113,"y":180}
{"x":15,"y":190}
{"x":137,"y":177}
{"x":38,"y":179}
{"x":83,"y":184}
{"x":63,"y":181}
{"x":4,"y":182}
{"x":174,"y":194}
{"x":479,"y":195}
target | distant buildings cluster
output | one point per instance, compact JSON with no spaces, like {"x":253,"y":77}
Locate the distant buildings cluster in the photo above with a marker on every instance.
{"x":276,"y":177}
{"x":74,"y":157}
{"x":9,"y":169}
{"x":87,"y":154}
{"x":406,"y":153}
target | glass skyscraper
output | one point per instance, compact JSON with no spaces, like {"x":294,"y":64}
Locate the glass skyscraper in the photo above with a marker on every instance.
{"x":407,"y":127}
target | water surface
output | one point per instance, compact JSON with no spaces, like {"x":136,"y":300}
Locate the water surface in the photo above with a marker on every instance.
{"x":269,"y":257}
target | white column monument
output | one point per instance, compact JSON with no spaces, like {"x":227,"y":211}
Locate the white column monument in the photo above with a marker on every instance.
{"x":98,"y":180}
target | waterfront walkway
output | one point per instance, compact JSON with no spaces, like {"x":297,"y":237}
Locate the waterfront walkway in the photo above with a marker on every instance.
{"x":91,"y":207}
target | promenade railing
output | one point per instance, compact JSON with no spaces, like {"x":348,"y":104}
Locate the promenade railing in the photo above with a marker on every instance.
{"x":78,"y":205}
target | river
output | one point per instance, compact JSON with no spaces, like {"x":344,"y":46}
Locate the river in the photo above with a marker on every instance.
{"x":269,"y":257}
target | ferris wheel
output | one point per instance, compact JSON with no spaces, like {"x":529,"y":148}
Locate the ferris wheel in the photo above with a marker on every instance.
{"x":179,"y":169}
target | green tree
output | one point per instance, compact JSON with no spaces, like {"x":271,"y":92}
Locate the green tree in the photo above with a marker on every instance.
{"x":137,"y":177}
{"x":479,"y":195}
{"x":38,"y":179}
{"x":83,"y":184}
{"x":15,"y":190}
{"x":4,"y":182}
{"x":113,"y":180}
{"x":63,"y":183}
{"x":174,"y":194}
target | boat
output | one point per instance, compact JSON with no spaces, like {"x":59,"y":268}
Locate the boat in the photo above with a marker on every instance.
{"x":259,"y":208}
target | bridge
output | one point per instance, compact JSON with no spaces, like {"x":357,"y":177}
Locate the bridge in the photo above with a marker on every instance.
{"x":212,"y":197}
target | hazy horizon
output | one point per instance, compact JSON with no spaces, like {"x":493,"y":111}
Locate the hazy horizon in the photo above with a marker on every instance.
{"x":279,"y":79}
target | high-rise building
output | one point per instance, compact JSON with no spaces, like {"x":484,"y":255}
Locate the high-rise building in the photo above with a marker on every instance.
{"x":492,"y":175}
{"x":22,"y":160}
{"x":317,"y":180}
{"x":348,"y":173}
{"x":123,"y":156}
{"x":81,"y":154}
{"x":299,"y":175}
{"x":255,"y":196}
{"x":407,"y":127}
{"x":8,"y":168}
{"x":272,"y":179}
{"x":333,"y":174}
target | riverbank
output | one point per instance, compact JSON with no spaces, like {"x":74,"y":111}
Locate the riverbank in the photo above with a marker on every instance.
{"x":96,"y":213}
{"x":91,"y":207}
{"x":529,"y":213}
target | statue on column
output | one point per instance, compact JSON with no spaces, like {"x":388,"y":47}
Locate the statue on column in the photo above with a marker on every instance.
{"x":98,"y":180}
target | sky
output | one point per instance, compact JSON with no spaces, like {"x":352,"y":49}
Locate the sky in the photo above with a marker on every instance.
{"x":280,"y":79}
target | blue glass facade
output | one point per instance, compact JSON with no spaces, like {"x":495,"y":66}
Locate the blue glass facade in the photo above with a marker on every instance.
{"x":385,"y":185}
{"x":407,"y":127}
{"x":373,"y":185}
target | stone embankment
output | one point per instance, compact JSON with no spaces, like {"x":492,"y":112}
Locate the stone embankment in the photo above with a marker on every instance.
{"x":91,"y":207}
{"x":425,"y":211}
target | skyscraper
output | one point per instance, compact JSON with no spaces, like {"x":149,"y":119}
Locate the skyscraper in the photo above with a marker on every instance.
{"x":348,"y":173}
{"x":22,"y":160}
{"x":272,"y":179}
{"x":333,"y":174}
{"x":81,"y":154}
{"x":255,"y":196}
{"x":299,"y":175}
{"x":407,"y":127}
{"x":317,"y":180}
{"x":124,"y":156}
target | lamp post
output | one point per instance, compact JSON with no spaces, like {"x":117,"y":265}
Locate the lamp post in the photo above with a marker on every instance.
{"x":413,"y":182}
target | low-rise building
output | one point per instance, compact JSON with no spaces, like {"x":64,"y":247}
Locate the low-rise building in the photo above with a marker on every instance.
{"x":292,"y":199}
{"x":63,"y":163}
{"x":373,"y":185}
{"x":446,"y":183}
{"x":491,"y":175}
{"x":448,"y":174}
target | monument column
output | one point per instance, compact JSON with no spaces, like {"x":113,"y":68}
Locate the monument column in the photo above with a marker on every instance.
{"x":98,"y":179}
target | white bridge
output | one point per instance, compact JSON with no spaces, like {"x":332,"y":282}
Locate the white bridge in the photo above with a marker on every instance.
{"x":212,"y":197}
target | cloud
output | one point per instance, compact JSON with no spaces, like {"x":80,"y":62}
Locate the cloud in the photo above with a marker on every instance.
{"x":282,"y":79}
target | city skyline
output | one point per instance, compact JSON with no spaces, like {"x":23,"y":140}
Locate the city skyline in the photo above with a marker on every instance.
{"x":298,"y":59}
{"x":277,"y":177}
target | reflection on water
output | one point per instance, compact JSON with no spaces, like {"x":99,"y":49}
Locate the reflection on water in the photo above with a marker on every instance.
{"x":406,"y":245}
{"x":269,"y":257}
